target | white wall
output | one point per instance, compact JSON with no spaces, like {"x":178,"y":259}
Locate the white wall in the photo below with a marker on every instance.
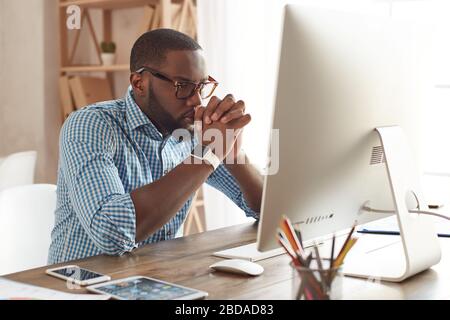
{"x":29,"y":110}
{"x":30,"y":115}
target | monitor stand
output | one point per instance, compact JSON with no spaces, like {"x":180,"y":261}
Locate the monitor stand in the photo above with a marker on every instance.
{"x":419,"y":248}
{"x":248,"y":252}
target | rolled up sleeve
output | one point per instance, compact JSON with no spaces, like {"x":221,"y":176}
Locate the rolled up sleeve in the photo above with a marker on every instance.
{"x":105,"y":211}
{"x":222,"y":180}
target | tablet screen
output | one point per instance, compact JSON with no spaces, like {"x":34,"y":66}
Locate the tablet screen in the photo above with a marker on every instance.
{"x":145,"y":289}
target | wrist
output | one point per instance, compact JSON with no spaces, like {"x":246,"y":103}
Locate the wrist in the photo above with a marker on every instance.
{"x":199,"y":163}
{"x":206,"y":155}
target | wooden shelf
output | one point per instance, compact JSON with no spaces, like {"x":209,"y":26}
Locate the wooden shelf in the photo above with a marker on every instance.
{"x":96,"y":68}
{"x":111,"y":4}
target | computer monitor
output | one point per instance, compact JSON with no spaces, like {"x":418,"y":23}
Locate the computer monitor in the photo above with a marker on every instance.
{"x":340,"y":77}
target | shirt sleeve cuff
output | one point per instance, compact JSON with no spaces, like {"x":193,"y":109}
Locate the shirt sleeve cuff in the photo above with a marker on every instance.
{"x":249,"y":212}
{"x":116,"y":225}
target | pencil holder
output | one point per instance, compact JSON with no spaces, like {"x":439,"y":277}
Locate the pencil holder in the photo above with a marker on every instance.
{"x":317,"y":281}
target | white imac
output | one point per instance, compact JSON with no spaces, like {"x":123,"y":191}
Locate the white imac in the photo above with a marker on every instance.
{"x":350,"y":95}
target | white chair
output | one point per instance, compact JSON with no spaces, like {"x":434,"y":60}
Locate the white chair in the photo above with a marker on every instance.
{"x":17,"y":169}
{"x":26,"y":222}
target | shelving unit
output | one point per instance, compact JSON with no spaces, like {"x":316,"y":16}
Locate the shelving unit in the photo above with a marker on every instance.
{"x":100,"y":68}
{"x":112,"y":4}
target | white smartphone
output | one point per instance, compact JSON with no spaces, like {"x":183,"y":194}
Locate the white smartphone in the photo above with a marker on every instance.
{"x":144,"y":288}
{"x":77,"y":275}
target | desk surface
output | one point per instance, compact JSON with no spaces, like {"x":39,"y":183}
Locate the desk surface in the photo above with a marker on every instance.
{"x":185,"y":261}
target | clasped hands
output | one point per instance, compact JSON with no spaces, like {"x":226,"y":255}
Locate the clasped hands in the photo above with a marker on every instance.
{"x":220,"y":125}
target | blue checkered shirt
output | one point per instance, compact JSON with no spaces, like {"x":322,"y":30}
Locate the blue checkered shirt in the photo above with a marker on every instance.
{"x":107,"y":150}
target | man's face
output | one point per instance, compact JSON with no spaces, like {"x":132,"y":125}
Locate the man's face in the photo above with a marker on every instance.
{"x":162,"y":105}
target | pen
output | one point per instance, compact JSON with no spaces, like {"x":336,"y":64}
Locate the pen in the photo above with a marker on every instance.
{"x":391,"y":233}
{"x":299,"y":236}
{"x":310,"y":282}
{"x":348,"y":238}
{"x":395,"y":233}
{"x":313,"y":285}
{"x":332,"y":251}
{"x":291,"y":236}
{"x":320,"y":267}
{"x":289,"y":250}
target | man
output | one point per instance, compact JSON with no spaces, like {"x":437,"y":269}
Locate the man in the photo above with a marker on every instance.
{"x":124,"y":178}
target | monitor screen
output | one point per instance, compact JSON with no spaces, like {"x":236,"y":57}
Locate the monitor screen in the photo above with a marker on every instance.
{"x":340,"y":76}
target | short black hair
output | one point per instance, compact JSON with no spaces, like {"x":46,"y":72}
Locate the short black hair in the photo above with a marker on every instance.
{"x":152,"y":47}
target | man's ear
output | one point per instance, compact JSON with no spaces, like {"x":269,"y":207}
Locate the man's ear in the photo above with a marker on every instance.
{"x":138,"y":85}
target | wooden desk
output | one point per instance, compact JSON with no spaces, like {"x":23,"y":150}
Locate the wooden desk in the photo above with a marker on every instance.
{"x":185,"y":261}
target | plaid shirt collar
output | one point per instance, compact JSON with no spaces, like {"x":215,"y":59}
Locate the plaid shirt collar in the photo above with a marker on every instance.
{"x":136,"y":118}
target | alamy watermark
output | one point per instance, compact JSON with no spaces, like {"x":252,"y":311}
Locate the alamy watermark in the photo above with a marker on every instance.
{"x":223,"y":144}
{"x":73,"y":17}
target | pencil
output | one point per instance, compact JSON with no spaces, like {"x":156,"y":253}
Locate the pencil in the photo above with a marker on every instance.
{"x":348,"y":238}
{"x":340,"y":259}
{"x":319,"y":265}
{"x":332,"y":251}
{"x":289,"y":250}
{"x":291,"y":236}
{"x":299,"y":236}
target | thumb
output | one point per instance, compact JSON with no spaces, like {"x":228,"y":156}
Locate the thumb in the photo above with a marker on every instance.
{"x":198,"y":117}
{"x":198,"y":113}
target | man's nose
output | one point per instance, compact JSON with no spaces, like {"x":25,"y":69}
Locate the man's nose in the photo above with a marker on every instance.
{"x":195,"y":100}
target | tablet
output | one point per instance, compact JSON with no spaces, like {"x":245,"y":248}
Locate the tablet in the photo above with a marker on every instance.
{"x":144,"y":288}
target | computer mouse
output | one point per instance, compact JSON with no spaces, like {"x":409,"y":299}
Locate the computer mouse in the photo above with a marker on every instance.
{"x":238,"y":266}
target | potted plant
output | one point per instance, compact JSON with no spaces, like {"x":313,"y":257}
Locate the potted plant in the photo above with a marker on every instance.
{"x":108,"y":52}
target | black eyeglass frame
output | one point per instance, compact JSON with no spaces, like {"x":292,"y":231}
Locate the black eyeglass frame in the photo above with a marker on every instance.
{"x":179,"y":84}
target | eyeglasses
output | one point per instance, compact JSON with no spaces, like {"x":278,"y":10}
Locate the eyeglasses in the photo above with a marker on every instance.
{"x":185,"y":89}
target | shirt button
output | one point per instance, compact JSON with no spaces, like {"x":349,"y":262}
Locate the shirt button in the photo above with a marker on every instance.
{"x":169,"y":233}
